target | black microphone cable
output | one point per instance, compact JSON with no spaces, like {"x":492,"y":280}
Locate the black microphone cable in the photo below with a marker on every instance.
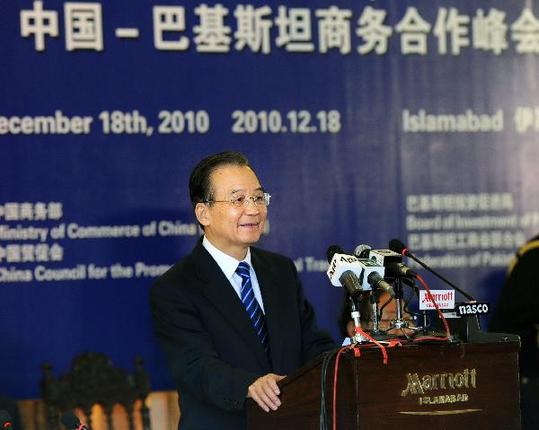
{"x":326,"y":360}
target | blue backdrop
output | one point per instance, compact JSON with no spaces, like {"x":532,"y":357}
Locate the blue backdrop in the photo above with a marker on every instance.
{"x":365,"y":120}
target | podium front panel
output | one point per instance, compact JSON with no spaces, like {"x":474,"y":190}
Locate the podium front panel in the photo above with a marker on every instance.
{"x":449,"y":386}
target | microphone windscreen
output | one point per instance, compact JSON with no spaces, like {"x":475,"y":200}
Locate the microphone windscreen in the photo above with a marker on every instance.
{"x":332,"y":250}
{"x":350,"y":281}
{"x":397,"y":246}
{"x":70,"y":420}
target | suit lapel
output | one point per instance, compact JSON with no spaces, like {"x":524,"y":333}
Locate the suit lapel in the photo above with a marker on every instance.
{"x":218,"y":291}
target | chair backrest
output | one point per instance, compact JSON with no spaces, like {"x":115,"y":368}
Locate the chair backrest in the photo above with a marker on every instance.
{"x":91,"y":380}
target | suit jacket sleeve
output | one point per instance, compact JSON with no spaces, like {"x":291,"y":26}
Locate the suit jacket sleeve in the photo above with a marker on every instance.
{"x":192,"y":358}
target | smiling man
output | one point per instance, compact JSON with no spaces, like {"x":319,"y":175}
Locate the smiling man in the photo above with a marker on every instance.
{"x":231,"y":318}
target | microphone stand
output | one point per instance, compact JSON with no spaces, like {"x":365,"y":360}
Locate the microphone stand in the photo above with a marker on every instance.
{"x":439,"y":276}
{"x":373,"y":298}
{"x":357,"y":338}
{"x":399,"y":321}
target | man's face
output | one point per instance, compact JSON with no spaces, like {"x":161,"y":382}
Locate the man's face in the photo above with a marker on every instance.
{"x":233,"y":229}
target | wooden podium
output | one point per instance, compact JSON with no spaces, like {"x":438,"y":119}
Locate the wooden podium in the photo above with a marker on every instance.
{"x":437,"y":386}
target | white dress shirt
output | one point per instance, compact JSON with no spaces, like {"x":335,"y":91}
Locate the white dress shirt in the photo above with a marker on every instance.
{"x":229,"y":265}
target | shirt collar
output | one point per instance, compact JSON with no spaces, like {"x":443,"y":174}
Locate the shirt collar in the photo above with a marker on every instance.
{"x":227,"y":263}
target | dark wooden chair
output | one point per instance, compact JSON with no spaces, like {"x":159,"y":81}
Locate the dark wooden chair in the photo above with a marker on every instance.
{"x":93,"y":380}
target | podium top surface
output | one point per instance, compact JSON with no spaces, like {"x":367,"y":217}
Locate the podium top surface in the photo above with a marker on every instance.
{"x":419,"y":351}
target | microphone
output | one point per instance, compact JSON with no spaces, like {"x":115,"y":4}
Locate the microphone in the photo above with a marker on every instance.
{"x":377,"y":282}
{"x":6,"y":422}
{"x":362,"y":251}
{"x":387,"y":258}
{"x":341,"y":271}
{"x":399,"y":247}
{"x":72,"y":422}
{"x":368,"y":272}
{"x":400,"y":270}
{"x":392,"y":261}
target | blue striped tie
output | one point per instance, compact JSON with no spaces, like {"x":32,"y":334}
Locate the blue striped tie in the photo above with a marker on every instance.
{"x":251,"y":305}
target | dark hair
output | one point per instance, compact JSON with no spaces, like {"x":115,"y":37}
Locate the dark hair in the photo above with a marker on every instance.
{"x":200,"y":186}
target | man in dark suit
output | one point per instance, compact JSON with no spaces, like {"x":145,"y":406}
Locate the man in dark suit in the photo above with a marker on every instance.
{"x":231,"y":318}
{"x":517,"y":312}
